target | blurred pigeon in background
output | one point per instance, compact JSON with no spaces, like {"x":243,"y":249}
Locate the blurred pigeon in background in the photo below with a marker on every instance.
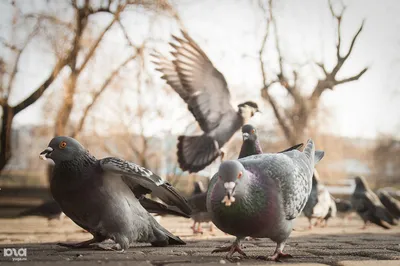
{"x":101,"y":196}
{"x":344,"y":208}
{"x":204,"y":89}
{"x":260,"y":195}
{"x":391,"y":204}
{"x":199,"y":209}
{"x":319,"y":202}
{"x":331,"y":213}
{"x":50,"y":210}
{"x":369,"y":207}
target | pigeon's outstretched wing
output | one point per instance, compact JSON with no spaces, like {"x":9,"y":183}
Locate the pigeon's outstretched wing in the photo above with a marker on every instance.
{"x":192,"y":75}
{"x":142,"y":181}
{"x":161,"y":209}
{"x":391,"y":204}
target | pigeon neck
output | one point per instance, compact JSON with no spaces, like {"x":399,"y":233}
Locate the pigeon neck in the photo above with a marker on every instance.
{"x":250,"y":148}
{"x":79,"y":163}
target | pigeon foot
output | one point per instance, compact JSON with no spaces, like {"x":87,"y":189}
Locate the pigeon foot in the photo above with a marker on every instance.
{"x":276,"y":257}
{"x":235,"y":247}
{"x":83,"y":244}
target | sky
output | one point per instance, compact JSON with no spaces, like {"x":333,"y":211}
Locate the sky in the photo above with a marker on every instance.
{"x":230,"y":33}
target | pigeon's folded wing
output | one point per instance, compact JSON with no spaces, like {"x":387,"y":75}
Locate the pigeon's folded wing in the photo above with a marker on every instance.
{"x":142,"y":181}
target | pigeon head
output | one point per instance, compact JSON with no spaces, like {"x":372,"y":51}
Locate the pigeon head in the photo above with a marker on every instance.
{"x":249,"y":133}
{"x":361,"y":183}
{"x":62,"y":149}
{"x":232,"y":175}
{"x":248,"y":109}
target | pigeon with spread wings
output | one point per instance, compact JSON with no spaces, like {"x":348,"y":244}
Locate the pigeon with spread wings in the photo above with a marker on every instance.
{"x":204,"y":89}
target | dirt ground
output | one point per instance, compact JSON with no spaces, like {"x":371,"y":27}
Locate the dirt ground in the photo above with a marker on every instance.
{"x":341,"y":243}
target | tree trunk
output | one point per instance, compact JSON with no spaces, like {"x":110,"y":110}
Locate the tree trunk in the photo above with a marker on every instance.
{"x":5,"y":136}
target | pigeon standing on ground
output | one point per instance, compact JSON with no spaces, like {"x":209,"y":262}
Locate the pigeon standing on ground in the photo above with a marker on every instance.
{"x":102,"y":196}
{"x":369,"y":207}
{"x":344,"y":208}
{"x":319,"y":202}
{"x":391,"y":204}
{"x":260,"y":195}
{"x":204,"y":89}
{"x":199,"y":209}
{"x":331,"y":212}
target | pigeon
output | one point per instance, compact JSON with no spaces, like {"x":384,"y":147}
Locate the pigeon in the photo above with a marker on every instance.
{"x":260,"y":195}
{"x":319,"y":202}
{"x":102,"y":196}
{"x":251,"y":145}
{"x":391,"y":204}
{"x":331,"y":212}
{"x":197,"y":203}
{"x":344,"y":208}
{"x":205,"y":91}
{"x":49,"y":209}
{"x":369,"y":207}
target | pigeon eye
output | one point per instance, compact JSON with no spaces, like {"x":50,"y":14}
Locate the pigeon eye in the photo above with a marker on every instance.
{"x":240,"y":175}
{"x":62,"y":145}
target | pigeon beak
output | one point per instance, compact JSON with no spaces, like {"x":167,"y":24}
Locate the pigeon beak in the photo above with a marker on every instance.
{"x":245,"y":136}
{"x":230,"y":190}
{"x":46,"y":153}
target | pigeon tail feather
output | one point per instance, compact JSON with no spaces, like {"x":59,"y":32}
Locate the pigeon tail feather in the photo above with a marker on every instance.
{"x":196,"y":152}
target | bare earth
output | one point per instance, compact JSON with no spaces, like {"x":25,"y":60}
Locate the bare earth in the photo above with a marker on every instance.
{"x":338,"y":244}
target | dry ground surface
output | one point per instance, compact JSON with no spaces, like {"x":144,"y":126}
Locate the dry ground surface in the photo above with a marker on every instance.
{"x":339,"y":244}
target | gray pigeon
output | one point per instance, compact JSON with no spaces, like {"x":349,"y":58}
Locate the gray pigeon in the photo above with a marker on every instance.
{"x":344,"y":208}
{"x":391,"y":204}
{"x":204,"y":89}
{"x":260,"y":196}
{"x":102,"y":196}
{"x":197,"y":203}
{"x":369,"y":207}
{"x":319,"y":202}
{"x":251,"y":145}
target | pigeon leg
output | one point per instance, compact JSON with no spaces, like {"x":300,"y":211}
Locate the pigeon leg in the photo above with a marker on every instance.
{"x":235,"y":247}
{"x":83,"y":244}
{"x":364,"y":226}
{"x":310,"y":225}
{"x":278,"y":254}
{"x":211,"y":228}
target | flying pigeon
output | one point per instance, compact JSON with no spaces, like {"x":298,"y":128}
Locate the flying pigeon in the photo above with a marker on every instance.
{"x":199,"y":209}
{"x":369,"y":207}
{"x":319,"y":202}
{"x":102,"y":196}
{"x":49,"y":209}
{"x":205,"y":91}
{"x":391,"y":204}
{"x":260,"y":195}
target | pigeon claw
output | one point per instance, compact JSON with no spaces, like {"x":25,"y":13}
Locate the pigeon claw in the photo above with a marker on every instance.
{"x":279,"y":255}
{"x":231,"y":250}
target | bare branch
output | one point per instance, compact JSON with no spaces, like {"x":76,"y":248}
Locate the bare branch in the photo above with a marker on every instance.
{"x":42,"y":88}
{"x":322,"y":66}
{"x":17,"y":59}
{"x":353,"y":78}
{"x":98,"y":93}
{"x":354,"y":41}
{"x":52,"y":19}
{"x":97,"y":42}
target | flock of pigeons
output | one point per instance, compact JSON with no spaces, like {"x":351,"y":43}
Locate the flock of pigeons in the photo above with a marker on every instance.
{"x":258,"y":195}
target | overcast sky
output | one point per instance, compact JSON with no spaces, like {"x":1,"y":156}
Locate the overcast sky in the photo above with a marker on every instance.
{"x":230,"y":33}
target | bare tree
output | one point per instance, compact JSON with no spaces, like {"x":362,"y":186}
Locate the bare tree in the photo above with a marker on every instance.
{"x":295,"y":118}
{"x":8,"y":73}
